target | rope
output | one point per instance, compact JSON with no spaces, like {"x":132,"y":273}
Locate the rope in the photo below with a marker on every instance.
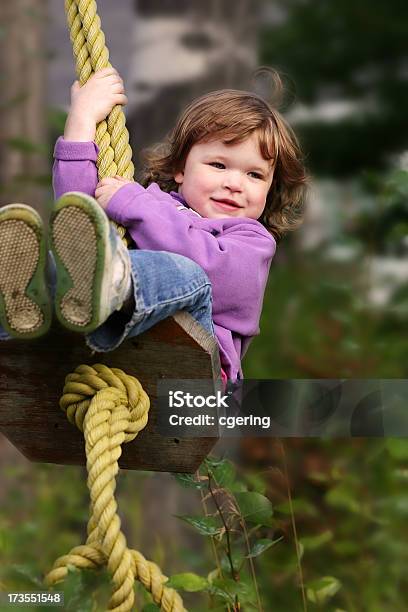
{"x":106,"y":404}
{"x":110,"y":408}
{"x":92,"y":54}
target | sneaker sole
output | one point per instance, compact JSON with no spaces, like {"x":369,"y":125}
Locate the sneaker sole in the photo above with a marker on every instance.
{"x":79,"y":230}
{"x":25,"y":306}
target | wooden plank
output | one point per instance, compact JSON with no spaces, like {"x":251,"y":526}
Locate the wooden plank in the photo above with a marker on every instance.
{"x":32,"y":375}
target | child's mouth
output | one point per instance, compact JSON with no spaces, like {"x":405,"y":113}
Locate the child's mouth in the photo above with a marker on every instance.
{"x":226,"y":204}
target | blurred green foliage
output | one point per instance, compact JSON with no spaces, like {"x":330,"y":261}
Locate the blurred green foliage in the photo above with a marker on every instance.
{"x":318,"y":320}
{"x":348,"y":499}
{"x":345,"y":50}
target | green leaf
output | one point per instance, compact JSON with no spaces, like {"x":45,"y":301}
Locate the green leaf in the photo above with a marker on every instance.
{"x":256,"y":482}
{"x":397,"y":447}
{"x":319,"y":591}
{"x":213,"y":462}
{"x":395,"y":505}
{"x":237,"y":487}
{"x":151,"y":607}
{"x":189,"y":481}
{"x":316,"y":541}
{"x":213,"y":575}
{"x":230,"y":587}
{"x":73,"y":587}
{"x":260,"y":546}
{"x":254,"y":507}
{"x":205,"y":525}
{"x":346,"y":547}
{"x":224,"y":474}
{"x":236,"y":557}
{"x":343,"y":496}
{"x":217,"y":591}
{"x":188,"y":581}
{"x":81,"y":588}
{"x":27,"y":575}
{"x":299,"y":506}
{"x":399,"y":182}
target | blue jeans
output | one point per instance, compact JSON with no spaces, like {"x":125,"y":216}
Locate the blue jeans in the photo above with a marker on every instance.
{"x":163,"y":284}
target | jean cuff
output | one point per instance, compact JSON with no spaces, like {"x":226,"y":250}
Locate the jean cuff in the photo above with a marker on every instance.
{"x":111,"y":334}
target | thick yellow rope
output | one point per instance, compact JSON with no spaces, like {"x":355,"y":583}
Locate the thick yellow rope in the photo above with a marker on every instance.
{"x":110,"y":408}
{"x":91,"y":54}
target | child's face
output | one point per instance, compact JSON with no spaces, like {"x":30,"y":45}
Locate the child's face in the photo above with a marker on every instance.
{"x":221,"y":180}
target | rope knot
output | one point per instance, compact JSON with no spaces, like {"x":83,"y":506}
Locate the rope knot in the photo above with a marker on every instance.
{"x":114,"y":392}
{"x":110,"y":407}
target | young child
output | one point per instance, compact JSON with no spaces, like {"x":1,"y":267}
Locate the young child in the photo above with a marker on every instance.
{"x":214,"y":198}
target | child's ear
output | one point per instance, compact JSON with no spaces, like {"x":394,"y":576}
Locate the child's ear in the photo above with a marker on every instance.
{"x":179,"y":177}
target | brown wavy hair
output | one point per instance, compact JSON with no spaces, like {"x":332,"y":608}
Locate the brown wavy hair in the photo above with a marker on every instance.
{"x":233,"y":115}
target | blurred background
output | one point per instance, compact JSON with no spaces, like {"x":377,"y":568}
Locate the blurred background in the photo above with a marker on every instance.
{"x":336,"y":304}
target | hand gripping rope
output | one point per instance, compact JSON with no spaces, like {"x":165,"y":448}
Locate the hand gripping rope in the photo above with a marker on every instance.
{"x":92,"y":54}
{"x":109,"y":406}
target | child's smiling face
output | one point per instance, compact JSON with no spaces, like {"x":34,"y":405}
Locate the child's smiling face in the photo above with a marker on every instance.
{"x":226,"y":180}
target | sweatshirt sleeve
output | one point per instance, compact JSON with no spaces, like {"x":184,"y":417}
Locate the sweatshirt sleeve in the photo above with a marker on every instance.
{"x":74,"y":167}
{"x":234,"y":252}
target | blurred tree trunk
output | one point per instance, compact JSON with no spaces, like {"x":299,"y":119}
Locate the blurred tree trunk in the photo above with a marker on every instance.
{"x":181,"y":50}
{"x":23,"y":135}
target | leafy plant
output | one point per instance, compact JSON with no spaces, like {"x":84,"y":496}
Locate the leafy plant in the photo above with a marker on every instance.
{"x":235,"y":519}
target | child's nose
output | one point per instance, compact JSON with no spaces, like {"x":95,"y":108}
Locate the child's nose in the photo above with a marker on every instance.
{"x":233,"y":180}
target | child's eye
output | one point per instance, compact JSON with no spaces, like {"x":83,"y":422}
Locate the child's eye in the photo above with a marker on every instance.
{"x":217,"y":165}
{"x":256,"y":175}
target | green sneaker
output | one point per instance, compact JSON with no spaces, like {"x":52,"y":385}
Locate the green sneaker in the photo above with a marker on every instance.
{"x":93,"y":265}
{"x":25,"y":305}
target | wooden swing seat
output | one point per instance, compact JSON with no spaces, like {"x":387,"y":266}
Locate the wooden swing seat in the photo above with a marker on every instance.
{"x":32,"y":375}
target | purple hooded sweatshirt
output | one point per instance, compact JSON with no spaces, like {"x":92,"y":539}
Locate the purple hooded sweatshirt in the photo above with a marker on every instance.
{"x":235,"y":252}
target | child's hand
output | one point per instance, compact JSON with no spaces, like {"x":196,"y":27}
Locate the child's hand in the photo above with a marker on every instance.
{"x":107,"y":187}
{"x":97,"y":97}
{"x":92,"y":102}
